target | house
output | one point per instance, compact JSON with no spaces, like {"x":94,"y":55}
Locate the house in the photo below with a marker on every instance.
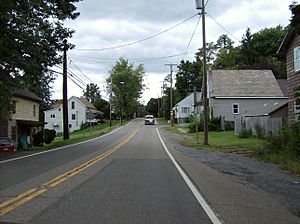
{"x":290,"y":46}
{"x":24,"y":119}
{"x":185,"y":108}
{"x":232,"y":93}
{"x":79,"y":110}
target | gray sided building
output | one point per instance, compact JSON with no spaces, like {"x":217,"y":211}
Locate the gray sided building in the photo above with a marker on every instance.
{"x":232,"y":93}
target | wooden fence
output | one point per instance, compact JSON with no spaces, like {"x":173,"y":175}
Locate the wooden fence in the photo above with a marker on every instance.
{"x":269,"y":124}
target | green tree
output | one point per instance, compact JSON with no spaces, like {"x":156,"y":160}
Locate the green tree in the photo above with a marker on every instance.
{"x":188,"y":76}
{"x":227,"y":55}
{"x":259,"y":51}
{"x":224,"y":42}
{"x":227,"y":59}
{"x":103,"y":106}
{"x":152,"y":106}
{"x":246,"y":56}
{"x":32,"y":35}
{"x":125,"y":82}
{"x":92,"y":92}
{"x":295,"y":21}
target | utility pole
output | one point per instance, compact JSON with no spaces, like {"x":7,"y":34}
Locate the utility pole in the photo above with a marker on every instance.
{"x":171,"y":93}
{"x":110,"y":96}
{"x":158,"y":107}
{"x":201,"y":6}
{"x":65,"y":93}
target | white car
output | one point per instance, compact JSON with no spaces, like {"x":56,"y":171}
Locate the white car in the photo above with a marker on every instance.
{"x":149,"y":119}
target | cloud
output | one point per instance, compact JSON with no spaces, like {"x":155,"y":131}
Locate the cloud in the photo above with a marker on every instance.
{"x":109,"y":23}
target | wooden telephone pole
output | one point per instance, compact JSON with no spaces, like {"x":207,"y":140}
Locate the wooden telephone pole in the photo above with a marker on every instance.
{"x":65,"y":93}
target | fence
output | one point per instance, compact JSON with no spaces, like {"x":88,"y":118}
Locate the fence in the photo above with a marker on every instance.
{"x":269,"y":124}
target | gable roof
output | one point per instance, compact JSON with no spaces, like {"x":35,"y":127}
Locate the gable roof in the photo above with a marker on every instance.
{"x":244,"y":83}
{"x":88,"y":104}
{"x":189,"y":100}
{"x":283,"y":86}
{"x":25,"y":93}
{"x":286,"y":41}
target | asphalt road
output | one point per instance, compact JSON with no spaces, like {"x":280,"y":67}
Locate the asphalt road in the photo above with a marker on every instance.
{"x":124,"y":177}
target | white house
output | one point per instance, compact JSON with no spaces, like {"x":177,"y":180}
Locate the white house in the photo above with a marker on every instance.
{"x":232,"y":93}
{"x":185,"y":108}
{"x":78,"y":108}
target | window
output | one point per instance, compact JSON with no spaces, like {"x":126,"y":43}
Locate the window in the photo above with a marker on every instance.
{"x":297,"y":108}
{"x":34,"y":110}
{"x":73,"y":116}
{"x":52,"y":115}
{"x":73,"y":105}
{"x":235,"y":108}
{"x":14,"y":106}
{"x":185,"y":110}
{"x":70,"y":125}
{"x":297,"y":59}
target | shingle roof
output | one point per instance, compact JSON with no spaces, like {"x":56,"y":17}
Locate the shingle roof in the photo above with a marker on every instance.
{"x":244,"y":83}
{"x":25,"y":93}
{"x":86,"y":103}
{"x":265,"y":109}
{"x":283,"y":86}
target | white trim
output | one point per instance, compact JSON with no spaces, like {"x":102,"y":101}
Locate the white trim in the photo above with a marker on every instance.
{"x":250,"y":97}
{"x":209,"y":211}
{"x":238,"y":108}
{"x":296,"y":59}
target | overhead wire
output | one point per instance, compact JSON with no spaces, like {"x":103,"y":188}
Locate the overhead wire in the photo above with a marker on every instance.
{"x":219,"y":24}
{"x":187,"y":47}
{"x":74,"y":64}
{"x":138,"y":41}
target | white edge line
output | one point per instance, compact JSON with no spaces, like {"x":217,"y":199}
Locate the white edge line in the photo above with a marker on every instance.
{"x":63,"y":147}
{"x":211,"y":214}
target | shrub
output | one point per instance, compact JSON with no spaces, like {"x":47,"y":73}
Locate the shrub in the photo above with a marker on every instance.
{"x":213,"y":125}
{"x":260,"y":131}
{"x":286,"y":140}
{"x":38,"y":138}
{"x":49,"y":135}
{"x":245,"y":133}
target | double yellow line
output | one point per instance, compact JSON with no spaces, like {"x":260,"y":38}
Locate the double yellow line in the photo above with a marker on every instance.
{"x":21,"y":199}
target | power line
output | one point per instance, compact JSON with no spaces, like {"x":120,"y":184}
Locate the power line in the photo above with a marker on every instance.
{"x":223,"y":27}
{"x":187,"y":47}
{"x":138,"y":59}
{"x":138,"y":41}
{"x":69,"y":76}
{"x":73,"y":63}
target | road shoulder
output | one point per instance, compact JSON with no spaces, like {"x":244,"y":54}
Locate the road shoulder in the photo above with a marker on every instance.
{"x":234,"y":198}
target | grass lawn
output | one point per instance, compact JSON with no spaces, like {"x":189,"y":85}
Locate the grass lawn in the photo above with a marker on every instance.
{"x":82,"y":135}
{"x":228,"y":142}
{"x":75,"y":137}
{"x":219,"y":140}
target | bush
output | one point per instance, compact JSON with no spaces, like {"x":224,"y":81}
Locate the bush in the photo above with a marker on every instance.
{"x":260,"y":131}
{"x":49,"y":136}
{"x":38,"y":138}
{"x":245,"y":133}
{"x":213,"y":125}
{"x":286,"y":140}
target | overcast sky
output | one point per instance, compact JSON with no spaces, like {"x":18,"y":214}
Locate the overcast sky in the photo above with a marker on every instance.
{"x":109,"y":23}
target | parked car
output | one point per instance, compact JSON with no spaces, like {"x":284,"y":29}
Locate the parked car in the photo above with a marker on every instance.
{"x":149,"y":119}
{"x":7,"y":145}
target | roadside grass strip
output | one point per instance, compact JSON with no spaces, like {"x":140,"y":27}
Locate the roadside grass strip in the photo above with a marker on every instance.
{"x":26,"y":196}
